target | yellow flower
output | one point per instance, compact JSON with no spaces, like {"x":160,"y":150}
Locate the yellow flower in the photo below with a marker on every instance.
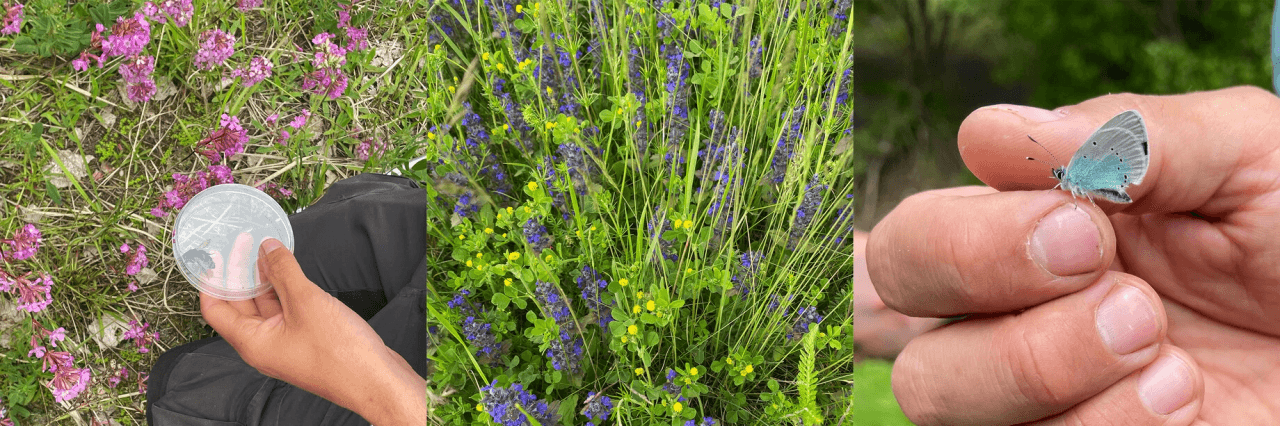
{"x":485,"y":56}
{"x":579,"y":234}
{"x":507,"y":282}
{"x":747,"y":370}
{"x":479,"y":267}
{"x":632,"y":329}
{"x":488,"y":230}
{"x":526,"y":208}
{"x":623,"y":282}
{"x":593,"y":227}
{"x":549,"y":92}
{"x":504,"y":235}
{"x":533,"y":186}
{"x":479,"y":255}
{"x":550,"y":124}
{"x":659,"y":314}
{"x":677,"y":407}
{"x":635,"y":309}
{"x":431,"y":136}
{"x":639,"y":371}
{"x":468,"y":263}
{"x":639,"y":294}
{"x":513,"y":255}
{"x":650,"y":305}
{"x":519,"y":8}
{"x":480,"y":407}
{"x":499,"y":67}
{"x":688,"y":224}
{"x":728,"y":360}
{"x":462,"y":237}
{"x":548,"y":258}
{"x":687,"y":381}
{"x":504,"y":126}
{"x":452,"y":89}
{"x":437,"y":47}
{"x":693,"y":371}
{"x":624,"y":339}
{"x":688,"y":271}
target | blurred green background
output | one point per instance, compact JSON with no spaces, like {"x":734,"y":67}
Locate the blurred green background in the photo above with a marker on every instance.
{"x":920,"y":67}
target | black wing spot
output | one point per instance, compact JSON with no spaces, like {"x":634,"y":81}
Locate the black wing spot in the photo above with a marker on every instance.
{"x":1095,"y":144}
{"x":1144,"y":149}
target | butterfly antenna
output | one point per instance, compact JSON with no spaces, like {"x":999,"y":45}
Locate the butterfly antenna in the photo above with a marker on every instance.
{"x":1055,"y":158}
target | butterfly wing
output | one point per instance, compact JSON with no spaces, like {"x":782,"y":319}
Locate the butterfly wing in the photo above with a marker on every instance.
{"x":1114,"y":157}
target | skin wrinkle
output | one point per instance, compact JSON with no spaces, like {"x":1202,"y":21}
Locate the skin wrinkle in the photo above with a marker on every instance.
{"x":1029,"y":373}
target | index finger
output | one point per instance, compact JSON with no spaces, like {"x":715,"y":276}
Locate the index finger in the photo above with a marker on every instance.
{"x":1206,"y":136}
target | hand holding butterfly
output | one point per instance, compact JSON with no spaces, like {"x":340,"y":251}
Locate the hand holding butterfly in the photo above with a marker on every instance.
{"x":1165,"y":311}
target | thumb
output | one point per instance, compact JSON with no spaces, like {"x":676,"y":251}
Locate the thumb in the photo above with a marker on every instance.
{"x":281,"y":269}
{"x":1198,"y":141}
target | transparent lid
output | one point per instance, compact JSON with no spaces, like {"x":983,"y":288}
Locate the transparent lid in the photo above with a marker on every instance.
{"x":216,"y":239}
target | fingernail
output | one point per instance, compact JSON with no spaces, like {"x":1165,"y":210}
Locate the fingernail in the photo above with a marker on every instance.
{"x":1166,"y":385}
{"x":1032,"y":114}
{"x":1126,"y":320}
{"x":269,"y":245}
{"x":1066,"y":242}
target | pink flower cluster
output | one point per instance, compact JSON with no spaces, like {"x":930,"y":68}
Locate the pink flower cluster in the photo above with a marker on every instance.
{"x":68,"y":381}
{"x":215,"y":47}
{"x":225,"y":142}
{"x":245,"y":5}
{"x":128,"y":38}
{"x":357,"y":38}
{"x":371,"y":147}
{"x":26,"y":240}
{"x":259,"y":69}
{"x":330,"y":82}
{"x":141,"y":338}
{"x":328,"y":54}
{"x":139,"y":260}
{"x":185,"y":187}
{"x":12,"y":18}
{"x":297,"y":123}
{"x":33,"y":295}
{"x":275,"y":190}
{"x":178,"y":11}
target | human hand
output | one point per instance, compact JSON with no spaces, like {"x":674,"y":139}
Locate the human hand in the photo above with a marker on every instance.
{"x":1164,"y":311}
{"x":299,"y":334}
{"x":881,"y":332}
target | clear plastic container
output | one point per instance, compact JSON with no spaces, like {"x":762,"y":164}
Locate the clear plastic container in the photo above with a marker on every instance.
{"x":217,"y":235}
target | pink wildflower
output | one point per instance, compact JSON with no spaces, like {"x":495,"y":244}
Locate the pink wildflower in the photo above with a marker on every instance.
{"x":271,"y":119}
{"x":245,"y":5}
{"x":357,"y":39}
{"x":6,"y":282}
{"x":33,"y":296}
{"x":115,"y":379}
{"x":124,"y":247}
{"x":328,"y":54}
{"x":138,"y":68}
{"x":26,"y":240}
{"x":141,"y":338}
{"x":370,"y":147}
{"x":56,"y":335}
{"x":344,"y":17}
{"x":225,"y":142}
{"x":36,"y":351}
{"x":275,"y":190}
{"x":259,"y":69}
{"x":185,"y":187}
{"x":67,"y":383}
{"x":141,"y":92}
{"x":178,"y":11}
{"x":132,"y":287}
{"x":138,"y":262}
{"x":12,"y":18}
{"x":330,"y":82}
{"x":300,"y":120}
{"x":54,"y":361}
{"x":128,"y":36}
{"x":95,"y":45}
{"x":215,"y":47}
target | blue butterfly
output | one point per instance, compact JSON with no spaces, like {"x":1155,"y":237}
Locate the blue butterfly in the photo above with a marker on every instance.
{"x":1113,"y":158}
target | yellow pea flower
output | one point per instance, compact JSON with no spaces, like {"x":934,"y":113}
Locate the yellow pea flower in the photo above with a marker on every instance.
{"x":677,"y":407}
{"x":632,"y":329}
{"x":533,"y":186}
{"x":650,"y":305}
{"x":506,"y":282}
{"x":639,"y":371}
{"x":747,"y":370}
{"x":513,"y":255}
{"x":468,"y":263}
{"x":519,"y":8}
{"x":693,"y":371}
{"x":488,"y":230}
{"x":635,"y":309}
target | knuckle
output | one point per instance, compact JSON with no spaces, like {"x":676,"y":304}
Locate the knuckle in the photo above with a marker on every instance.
{"x":912,"y":388}
{"x":1035,"y":367}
